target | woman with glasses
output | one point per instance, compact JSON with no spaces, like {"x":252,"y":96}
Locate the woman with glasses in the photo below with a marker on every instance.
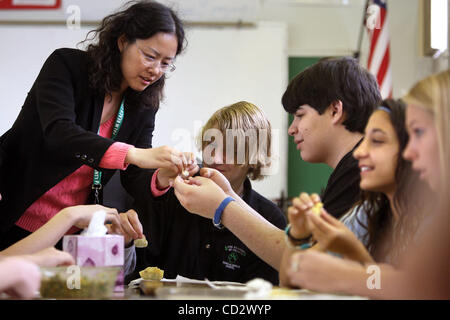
{"x":87,"y":114}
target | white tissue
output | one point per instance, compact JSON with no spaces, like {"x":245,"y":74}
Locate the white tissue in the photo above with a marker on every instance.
{"x":96,"y":225}
{"x":258,"y":289}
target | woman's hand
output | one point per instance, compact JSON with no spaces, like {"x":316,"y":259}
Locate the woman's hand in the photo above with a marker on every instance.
{"x":199,"y":195}
{"x":130,"y":227}
{"x":161,"y":157}
{"x":333,"y":235}
{"x":300,"y":228}
{"x":167,"y":174}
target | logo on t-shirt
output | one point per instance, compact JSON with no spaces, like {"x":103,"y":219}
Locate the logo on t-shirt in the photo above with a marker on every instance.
{"x":233,"y":257}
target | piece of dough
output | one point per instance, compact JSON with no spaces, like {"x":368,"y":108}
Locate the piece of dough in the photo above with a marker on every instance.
{"x":317,"y":208}
{"x":141,"y":243}
{"x":185,"y":174}
{"x":152,"y":273}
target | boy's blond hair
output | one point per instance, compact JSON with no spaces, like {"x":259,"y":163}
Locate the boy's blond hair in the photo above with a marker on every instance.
{"x":243,"y":117}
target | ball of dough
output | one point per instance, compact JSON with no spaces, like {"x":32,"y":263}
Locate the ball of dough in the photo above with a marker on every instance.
{"x":141,"y":243}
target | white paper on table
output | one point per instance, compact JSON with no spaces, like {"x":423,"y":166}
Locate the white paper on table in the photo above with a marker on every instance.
{"x":181,"y":279}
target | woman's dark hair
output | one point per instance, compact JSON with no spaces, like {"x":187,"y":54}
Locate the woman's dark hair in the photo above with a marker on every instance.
{"x":138,"y":20}
{"x":383,"y":238}
{"x":334,"y":79}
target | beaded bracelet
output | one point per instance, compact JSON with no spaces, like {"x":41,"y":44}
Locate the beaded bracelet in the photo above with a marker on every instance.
{"x":295,"y":243}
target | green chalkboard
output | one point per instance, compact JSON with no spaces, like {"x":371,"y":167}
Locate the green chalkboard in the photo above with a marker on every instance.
{"x":303,"y":176}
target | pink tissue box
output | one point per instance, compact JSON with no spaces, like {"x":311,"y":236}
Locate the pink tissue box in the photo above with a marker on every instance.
{"x":97,"y":251}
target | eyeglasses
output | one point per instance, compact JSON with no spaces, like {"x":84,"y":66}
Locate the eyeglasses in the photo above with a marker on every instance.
{"x":151,"y":61}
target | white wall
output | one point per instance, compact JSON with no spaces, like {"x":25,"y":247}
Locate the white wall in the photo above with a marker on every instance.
{"x":222,"y":66}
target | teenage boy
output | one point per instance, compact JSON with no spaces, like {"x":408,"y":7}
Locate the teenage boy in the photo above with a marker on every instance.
{"x":191,"y":246}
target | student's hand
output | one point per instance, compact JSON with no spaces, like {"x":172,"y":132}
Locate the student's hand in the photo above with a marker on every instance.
{"x":333,"y":235}
{"x":319,"y":271}
{"x":82,"y":215}
{"x":51,"y":257}
{"x":300,"y":228}
{"x":199,"y":195}
{"x":153,"y":158}
{"x":167,"y":174}
{"x":26,"y":277}
{"x":130,"y":227}
{"x":218,"y":178}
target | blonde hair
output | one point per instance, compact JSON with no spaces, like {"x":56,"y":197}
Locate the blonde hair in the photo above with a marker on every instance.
{"x":433,"y":94}
{"x":243,"y":117}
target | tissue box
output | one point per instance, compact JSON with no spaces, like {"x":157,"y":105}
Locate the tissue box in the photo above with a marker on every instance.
{"x":97,"y":251}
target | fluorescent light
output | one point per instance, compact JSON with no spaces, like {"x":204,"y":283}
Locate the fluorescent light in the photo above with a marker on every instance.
{"x":439,"y":24}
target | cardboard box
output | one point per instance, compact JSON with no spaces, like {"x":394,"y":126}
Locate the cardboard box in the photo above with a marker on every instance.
{"x":97,"y":251}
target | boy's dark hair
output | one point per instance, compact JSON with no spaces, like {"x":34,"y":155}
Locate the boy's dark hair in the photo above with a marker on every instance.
{"x":334,"y":79}
{"x":140,"y":19}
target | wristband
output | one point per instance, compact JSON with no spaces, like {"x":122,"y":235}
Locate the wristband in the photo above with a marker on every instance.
{"x":294,"y":242}
{"x":218,"y":214}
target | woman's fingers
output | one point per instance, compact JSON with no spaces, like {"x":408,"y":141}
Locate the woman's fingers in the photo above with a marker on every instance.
{"x":127,"y":226}
{"x":133,"y":218}
{"x":113,"y":218}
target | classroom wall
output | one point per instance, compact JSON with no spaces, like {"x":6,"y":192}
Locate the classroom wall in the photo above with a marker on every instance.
{"x":333,"y":30}
{"x":296,"y":28}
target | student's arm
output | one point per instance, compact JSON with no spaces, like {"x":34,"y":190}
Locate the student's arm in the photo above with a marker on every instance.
{"x":50,"y":257}
{"x":299,"y":229}
{"x":322,"y":272}
{"x":51,"y":232}
{"x":203,"y":197}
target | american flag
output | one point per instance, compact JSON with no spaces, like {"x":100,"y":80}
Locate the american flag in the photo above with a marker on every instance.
{"x":378,"y":62}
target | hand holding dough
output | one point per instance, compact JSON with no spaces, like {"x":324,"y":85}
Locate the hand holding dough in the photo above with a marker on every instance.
{"x":317,"y":208}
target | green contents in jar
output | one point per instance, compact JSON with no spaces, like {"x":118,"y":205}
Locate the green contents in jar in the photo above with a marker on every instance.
{"x":92,"y":284}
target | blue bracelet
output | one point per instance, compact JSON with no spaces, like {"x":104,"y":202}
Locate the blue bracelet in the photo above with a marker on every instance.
{"x":218,"y":214}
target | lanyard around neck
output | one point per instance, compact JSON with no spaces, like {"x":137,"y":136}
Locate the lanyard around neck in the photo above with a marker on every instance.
{"x":97,"y":181}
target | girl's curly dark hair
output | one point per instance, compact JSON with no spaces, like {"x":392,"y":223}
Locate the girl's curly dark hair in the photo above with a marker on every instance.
{"x":138,"y":20}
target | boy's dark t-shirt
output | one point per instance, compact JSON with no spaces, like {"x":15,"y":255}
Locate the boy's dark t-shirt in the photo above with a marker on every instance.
{"x":186,"y":244}
{"x":342,"y":190}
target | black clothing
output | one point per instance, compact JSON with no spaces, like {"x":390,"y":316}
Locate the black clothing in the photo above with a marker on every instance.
{"x":182,"y":243}
{"x":56,"y":133}
{"x":342,"y":190}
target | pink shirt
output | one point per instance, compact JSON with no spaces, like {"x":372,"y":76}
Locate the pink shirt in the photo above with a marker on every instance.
{"x":155,"y":191}
{"x":75,"y":188}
